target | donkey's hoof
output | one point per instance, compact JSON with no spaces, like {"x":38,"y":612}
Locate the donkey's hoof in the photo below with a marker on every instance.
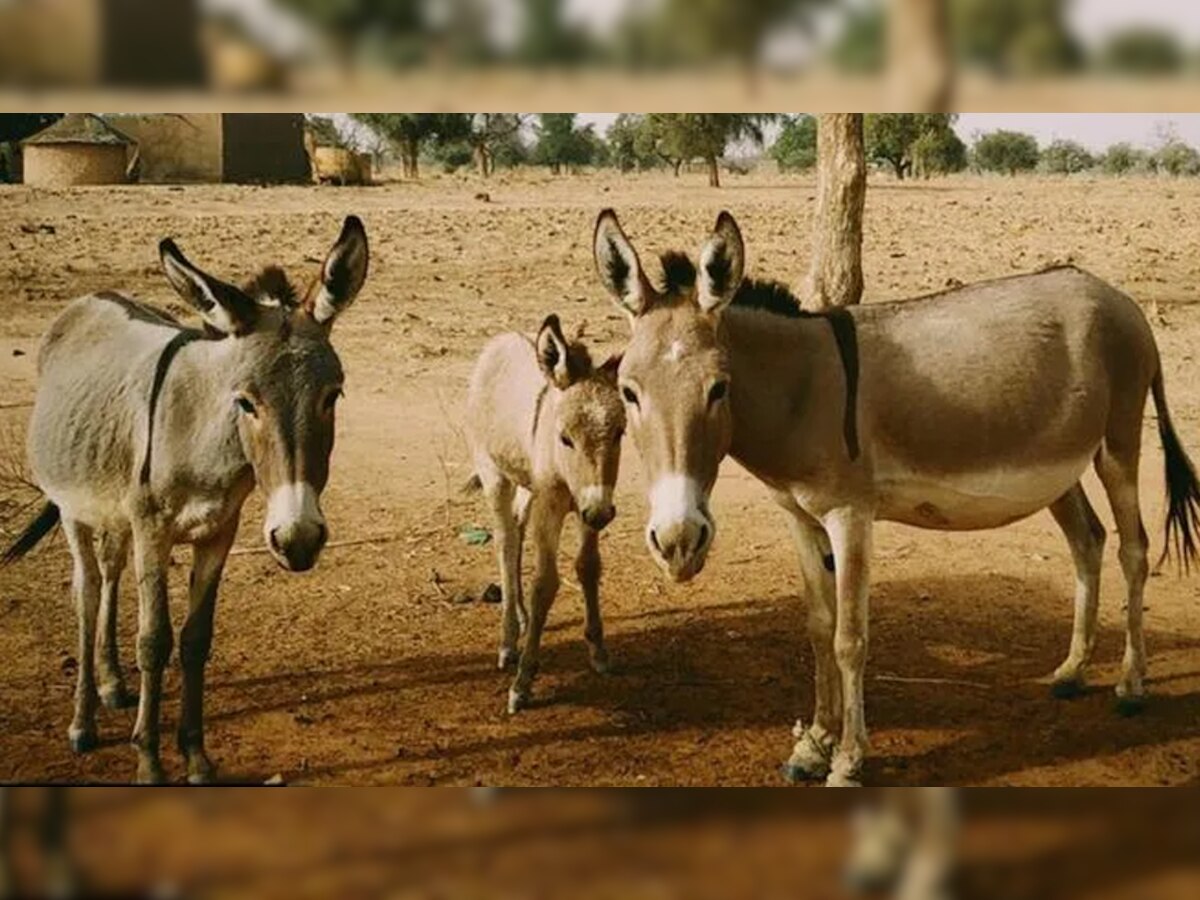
{"x":838,"y":779}
{"x":508,"y":657}
{"x":83,"y":741}
{"x":1130,"y":706}
{"x":517,"y":701}
{"x":150,"y":772}
{"x":601,"y":664}
{"x":1067,"y":689}
{"x":201,"y":772}
{"x":809,"y":760}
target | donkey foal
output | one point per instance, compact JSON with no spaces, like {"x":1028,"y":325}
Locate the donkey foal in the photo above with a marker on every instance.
{"x":544,"y":426}
{"x":149,"y":434}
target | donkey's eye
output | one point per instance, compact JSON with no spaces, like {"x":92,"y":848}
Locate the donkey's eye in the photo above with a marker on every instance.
{"x":566,"y":441}
{"x":630,"y":395}
{"x":244,"y":404}
{"x":717,"y":392}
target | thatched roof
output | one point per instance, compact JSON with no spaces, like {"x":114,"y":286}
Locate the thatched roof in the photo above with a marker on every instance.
{"x":80,"y":128}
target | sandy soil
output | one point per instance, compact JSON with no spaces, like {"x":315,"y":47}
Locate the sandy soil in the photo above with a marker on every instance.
{"x":365,"y":671}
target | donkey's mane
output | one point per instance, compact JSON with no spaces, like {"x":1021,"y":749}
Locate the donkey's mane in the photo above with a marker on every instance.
{"x":272,"y":283}
{"x":773,"y":297}
{"x":765,"y":295}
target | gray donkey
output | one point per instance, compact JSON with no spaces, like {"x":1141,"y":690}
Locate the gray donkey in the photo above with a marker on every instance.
{"x":149,"y":433}
{"x":544,"y":426}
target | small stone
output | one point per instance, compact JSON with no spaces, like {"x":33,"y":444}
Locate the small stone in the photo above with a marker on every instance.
{"x":462,"y":598}
{"x":492,"y":594}
{"x":275,"y":780}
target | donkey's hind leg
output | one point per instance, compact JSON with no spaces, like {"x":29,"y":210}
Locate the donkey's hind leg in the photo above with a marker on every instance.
{"x":85,"y":586}
{"x":1118,"y":471}
{"x":1085,"y":535}
{"x":501,"y":493}
{"x":113,"y":552}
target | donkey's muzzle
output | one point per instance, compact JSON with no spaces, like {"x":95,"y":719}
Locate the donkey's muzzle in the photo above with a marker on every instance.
{"x":681,"y":548}
{"x":297,"y":548}
{"x":597,"y":517}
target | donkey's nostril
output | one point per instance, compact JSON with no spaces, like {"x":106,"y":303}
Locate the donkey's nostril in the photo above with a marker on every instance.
{"x":703,"y":538}
{"x":322,"y":535}
{"x":654,"y":541}
{"x":273,"y":537}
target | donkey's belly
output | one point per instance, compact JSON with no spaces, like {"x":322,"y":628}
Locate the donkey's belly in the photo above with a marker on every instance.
{"x":964,"y":501}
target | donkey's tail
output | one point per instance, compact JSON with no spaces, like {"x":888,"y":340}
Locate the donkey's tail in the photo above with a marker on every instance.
{"x":33,"y":533}
{"x":1182,"y":527}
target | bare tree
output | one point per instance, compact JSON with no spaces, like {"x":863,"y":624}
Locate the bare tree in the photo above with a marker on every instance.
{"x":835,"y":275}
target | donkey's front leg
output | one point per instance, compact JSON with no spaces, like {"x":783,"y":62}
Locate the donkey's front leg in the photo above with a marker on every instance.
{"x":195,"y":642}
{"x":587,"y":570}
{"x":813,"y":749}
{"x":850,"y":532}
{"x":151,"y":556}
{"x":547,"y":512}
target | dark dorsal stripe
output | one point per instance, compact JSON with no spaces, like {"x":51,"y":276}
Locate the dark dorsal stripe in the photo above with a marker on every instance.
{"x":537,"y":411}
{"x":176,"y":344}
{"x":842,"y":324}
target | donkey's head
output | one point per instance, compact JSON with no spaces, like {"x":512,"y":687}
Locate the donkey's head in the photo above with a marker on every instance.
{"x":674,"y":380}
{"x":282,"y":379}
{"x":588,"y":424}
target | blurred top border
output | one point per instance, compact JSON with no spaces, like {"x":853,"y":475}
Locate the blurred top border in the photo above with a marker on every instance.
{"x":600,"y":55}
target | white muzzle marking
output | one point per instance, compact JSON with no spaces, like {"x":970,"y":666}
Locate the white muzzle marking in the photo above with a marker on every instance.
{"x":293,"y":510}
{"x":680,"y":530}
{"x":595,"y":496}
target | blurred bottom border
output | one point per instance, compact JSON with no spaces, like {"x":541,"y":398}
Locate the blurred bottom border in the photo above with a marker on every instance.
{"x":587,"y":843}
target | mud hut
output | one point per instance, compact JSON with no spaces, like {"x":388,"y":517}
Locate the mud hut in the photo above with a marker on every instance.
{"x":79,"y":148}
{"x":235,"y":148}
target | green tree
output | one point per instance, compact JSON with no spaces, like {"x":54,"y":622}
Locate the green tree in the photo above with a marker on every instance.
{"x":1122,"y":158}
{"x":325,"y":131}
{"x":890,"y":137}
{"x":1016,"y":37}
{"x":859,"y":46}
{"x":1176,"y":158}
{"x":409,"y":132}
{"x":561,"y":145}
{"x":626,"y":150}
{"x":487,"y":134}
{"x":1009,"y":152}
{"x":678,"y":137}
{"x":348,"y":24}
{"x":1064,"y":157}
{"x":1142,"y":50}
{"x":796,"y":147}
{"x":546,"y":38}
{"x":938,"y":152}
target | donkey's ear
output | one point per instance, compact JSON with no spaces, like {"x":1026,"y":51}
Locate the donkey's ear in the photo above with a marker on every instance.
{"x":342,"y":274}
{"x":223,"y":307}
{"x":618,"y":265}
{"x":608,"y":371}
{"x":722,"y":265}
{"x":552,"y":353}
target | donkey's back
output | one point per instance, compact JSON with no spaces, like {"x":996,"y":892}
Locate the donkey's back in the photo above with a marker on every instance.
{"x":96,"y":369}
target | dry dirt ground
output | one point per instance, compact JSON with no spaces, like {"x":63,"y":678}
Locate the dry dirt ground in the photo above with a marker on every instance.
{"x":366,"y":671}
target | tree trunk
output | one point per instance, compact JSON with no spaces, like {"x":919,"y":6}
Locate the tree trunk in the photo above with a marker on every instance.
{"x":920,"y":74}
{"x":898,"y":168}
{"x":714,"y":173}
{"x":677,"y":165}
{"x":835,"y":273}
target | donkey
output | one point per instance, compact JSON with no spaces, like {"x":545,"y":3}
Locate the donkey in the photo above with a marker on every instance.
{"x":149,"y":433}
{"x":968,"y":409}
{"x":544,"y":427}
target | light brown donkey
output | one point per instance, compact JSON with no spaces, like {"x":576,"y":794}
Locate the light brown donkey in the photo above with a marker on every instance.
{"x":150,"y":433}
{"x":964,"y":410}
{"x":544,"y":427}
